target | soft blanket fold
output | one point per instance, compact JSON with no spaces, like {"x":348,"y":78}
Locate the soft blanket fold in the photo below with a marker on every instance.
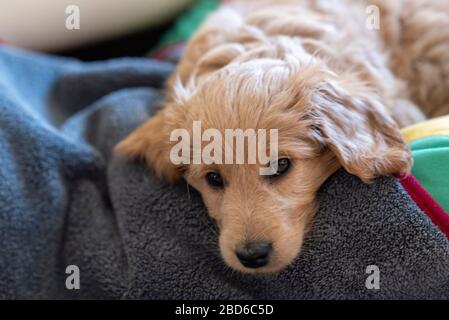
{"x":66,"y":200}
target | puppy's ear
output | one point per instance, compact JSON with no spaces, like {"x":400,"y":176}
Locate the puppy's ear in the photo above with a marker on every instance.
{"x":358,"y":129}
{"x":151,"y":142}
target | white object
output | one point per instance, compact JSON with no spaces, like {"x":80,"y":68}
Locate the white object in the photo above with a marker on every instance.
{"x":54,"y":25}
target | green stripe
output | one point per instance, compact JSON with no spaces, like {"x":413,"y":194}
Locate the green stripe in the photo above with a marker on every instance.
{"x":431,"y":166}
{"x":187,"y":23}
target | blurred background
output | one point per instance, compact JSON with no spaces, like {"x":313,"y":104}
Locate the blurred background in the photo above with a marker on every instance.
{"x":107,"y":28}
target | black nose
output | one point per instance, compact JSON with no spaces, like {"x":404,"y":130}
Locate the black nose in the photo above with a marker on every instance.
{"x":254,"y":254}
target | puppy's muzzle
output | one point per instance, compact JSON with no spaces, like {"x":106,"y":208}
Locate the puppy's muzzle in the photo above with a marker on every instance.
{"x":254,"y":254}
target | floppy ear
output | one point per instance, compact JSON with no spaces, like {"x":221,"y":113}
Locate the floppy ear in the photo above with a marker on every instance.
{"x":151,"y":142}
{"x":361,"y":133}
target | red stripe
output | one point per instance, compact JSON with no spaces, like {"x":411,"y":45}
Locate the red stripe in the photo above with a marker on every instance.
{"x":165,"y":52}
{"x":426,"y":203}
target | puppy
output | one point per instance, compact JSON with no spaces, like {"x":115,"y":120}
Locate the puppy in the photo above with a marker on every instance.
{"x":335,"y":88}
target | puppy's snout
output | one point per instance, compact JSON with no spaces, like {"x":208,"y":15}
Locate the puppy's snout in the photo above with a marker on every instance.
{"x":254,"y":254}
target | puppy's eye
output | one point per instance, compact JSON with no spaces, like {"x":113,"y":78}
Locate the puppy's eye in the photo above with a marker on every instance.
{"x":283,"y":166}
{"x":214,"y":179}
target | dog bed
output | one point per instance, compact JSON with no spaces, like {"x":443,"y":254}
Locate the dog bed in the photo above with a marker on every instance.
{"x":66,"y":200}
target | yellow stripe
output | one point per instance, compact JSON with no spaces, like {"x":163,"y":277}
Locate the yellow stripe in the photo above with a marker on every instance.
{"x":433,"y":127}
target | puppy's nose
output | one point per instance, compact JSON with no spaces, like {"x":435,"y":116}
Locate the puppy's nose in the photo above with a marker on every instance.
{"x":254,"y":254}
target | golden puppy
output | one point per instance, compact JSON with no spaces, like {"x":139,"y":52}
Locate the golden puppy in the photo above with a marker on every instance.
{"x":334,"y":85}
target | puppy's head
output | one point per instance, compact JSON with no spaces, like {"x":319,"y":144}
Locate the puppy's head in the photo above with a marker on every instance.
{"x":323,"y":122}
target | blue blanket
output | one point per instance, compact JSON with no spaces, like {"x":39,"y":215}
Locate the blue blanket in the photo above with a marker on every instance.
{"x":66,"y":200}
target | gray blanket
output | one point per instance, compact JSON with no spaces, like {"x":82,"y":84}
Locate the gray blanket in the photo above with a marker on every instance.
{"x":66,"y":200}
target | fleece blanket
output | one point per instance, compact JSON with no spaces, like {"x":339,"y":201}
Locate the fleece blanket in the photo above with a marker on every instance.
{"x":65,"y":200}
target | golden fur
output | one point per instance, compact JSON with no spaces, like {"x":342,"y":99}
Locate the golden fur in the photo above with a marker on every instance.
{"x":336,"y":91}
